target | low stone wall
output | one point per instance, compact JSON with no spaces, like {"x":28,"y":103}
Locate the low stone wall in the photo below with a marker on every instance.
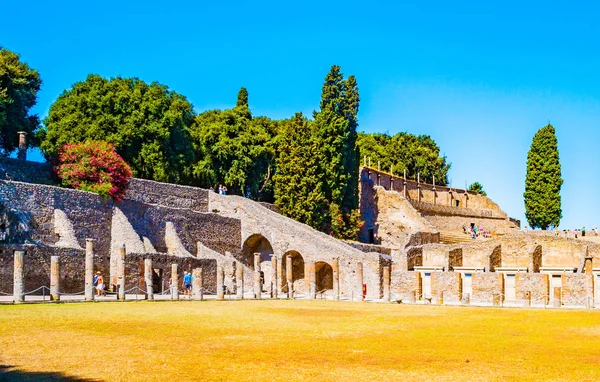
{"x":487,"y":288}
{"x":370,"y":247}
{"x":406,"y":285}
{"x":577,"y":289}
{"x":168,"y":195}
{"x":446,"y":286}
{"x":534,"y":285}
{"x":25,"y":171}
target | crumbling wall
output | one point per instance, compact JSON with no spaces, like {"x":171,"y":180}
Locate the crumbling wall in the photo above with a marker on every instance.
{"x":534,"y":285}
{"x":168,"y":195}
{"x":487,"y":287}
{"x":577,"y":289}
{"x":405,"y":285}
{"x":446,"y":286}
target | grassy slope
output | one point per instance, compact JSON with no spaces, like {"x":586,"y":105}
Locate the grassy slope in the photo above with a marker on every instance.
{"x":298,"y":340}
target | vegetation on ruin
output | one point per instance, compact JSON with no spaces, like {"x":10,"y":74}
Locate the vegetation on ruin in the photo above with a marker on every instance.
{"x":147,"y":123}
{"x":94,"y":166}
{"x":478,"y":188}
{"x":19,"y":85}
{"x":415,"y":153}
{"x":543,"y":181}
{"x":297,"y":341}
{"x":236,"y":149}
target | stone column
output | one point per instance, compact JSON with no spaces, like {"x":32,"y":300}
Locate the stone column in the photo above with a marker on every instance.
{"x":419,"y":186}
{"x":359,"y":282}
{"x":312,"y":280}
{"x":274,"y":290}
{"x":148,"y":279}
{"x":121,"y":273}
{"x":289,"y":274}
{"x":220,"y":283}
{"x":174,"y":282}
{"x":466,"y":198}
{"x":257,"y":283}
{"x":18,"y":296}
{"x":22,"y":153}
{"x":404,"y":183}
{"x":239,"y":280}
{"x":89,"y":270}
{"x":335,"y":266}
{"x":54,"y":278}
{"x":197,"y":292}
{"x":386,"y":283}
{"x":280,"y":275}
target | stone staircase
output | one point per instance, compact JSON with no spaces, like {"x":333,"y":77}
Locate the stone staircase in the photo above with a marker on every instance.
{"x":453,"y":237}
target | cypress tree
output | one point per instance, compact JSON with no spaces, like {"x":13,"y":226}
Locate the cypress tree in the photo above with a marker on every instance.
{"x":543,"y":181}
{"x":298,"y":183}
{"x":242,"y":100}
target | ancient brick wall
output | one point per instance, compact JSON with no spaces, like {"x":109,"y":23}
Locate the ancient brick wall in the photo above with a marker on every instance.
{"x":168,"y":195}
{"x":25,"y":171}
{"x":534,"y":285}
{"x":577,"y":289}
{"x":446,"y":286}
{"x":405,"y":285}
{"x":486,"y":287}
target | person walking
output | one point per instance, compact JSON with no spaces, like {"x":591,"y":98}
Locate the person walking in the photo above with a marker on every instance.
{"x":100,"y":285}
{"x":583,"y":232}
{"x":187,"y":284}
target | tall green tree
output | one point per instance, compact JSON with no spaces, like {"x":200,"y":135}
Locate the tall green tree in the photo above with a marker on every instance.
{"x":415,"y":153}
{"x":19,"y":85}
{"x":543,"y":181}
{"x":235,"y":149}
{"x":299,"y":190}
{"x":478,"y":188}
{"x":335,"y":130}
{"x":147,"y":123}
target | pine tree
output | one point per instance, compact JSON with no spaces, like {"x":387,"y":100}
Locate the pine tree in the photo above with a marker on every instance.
{"x":299,"y":190}
{"x":543,"y":181}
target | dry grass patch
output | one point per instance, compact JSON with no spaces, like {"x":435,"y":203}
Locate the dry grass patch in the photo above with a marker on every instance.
{"x":298,"y":340}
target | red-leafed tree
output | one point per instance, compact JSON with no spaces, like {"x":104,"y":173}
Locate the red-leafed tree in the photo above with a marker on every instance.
{"x":94,"y":166}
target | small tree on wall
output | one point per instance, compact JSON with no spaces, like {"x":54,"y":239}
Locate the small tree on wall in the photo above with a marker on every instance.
{"x":478,"y":188}
{"x":94,"y":166}
{"x":543,"y":181}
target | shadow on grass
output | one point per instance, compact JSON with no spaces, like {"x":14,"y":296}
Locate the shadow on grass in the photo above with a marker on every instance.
{"x":9,"y":373}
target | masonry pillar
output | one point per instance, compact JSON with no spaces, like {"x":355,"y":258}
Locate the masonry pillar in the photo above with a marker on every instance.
{"x":239,"y":280}
{"x":174,"y":282}
{"x":280,"y":275}
{"x":289,"y":274}
{"x":419,"y":186}
{"x":359,"y":282}
{"x":18,"y":296}
{"x":466,"y":199}
{"x":386,"y":283}
{"x":312,"y":280}
{"x":121,"y":273}
{"x":54,"y":278}
{"x":588,"y":265}
{"x":197,"y":292}
{"x":335,"y":266}
{"x":22,"y":151}
{"x":274,"y":291}
{"x":148,"y":279}
{"x":434,"y":193}
{"x":404,"y":183}
{"x":257,"y":283}
{"x":89,"y":270}
{"x":220,"y":283}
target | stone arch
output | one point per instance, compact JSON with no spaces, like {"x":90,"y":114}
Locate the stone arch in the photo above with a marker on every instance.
{"x":257,"y":243}
{"x":296,"y":273}
{"x":324,"y":276}
{"x":536,"y":259}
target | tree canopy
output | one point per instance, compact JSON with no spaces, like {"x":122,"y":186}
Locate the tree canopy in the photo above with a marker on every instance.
{"x":19,"y":85}
{"x":543,"y":181}
{"x":235,"y":149}
{"x":147,"y":123}
{"x":478,"y":188}
{"x":415,"y":153}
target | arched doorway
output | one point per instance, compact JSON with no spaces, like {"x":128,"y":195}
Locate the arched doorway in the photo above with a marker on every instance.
{"x":295,"y":273}
{"x":257,"y":243}
{"x":324,"y":276}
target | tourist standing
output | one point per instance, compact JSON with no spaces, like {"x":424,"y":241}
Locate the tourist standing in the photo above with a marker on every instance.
{"x":583,"y":231}
{"x":100,"y":285}
{"x":187,"y":284}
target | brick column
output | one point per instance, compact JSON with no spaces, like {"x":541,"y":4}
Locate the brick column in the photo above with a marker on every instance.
{"x":18,"y":296}
{"x":312,"y":280}
{"x":386,"y":283}
{"x":121,"y":273}
{"x":54,"y":278}
{"x":359,"y":282}
{"x":335,"y":266}
{"x":289,"y":274}
{"x":22,"y":151}
{"x":239,"y":280}
{"x":257,"y":283}
{"x":148,"y":279}
{"x":197,"y":292}
{"x":280,"y":275}
{"x":274,"y":291}
{"x":174,"y":282}
{"x":89,"y":270}
{"x":220,"y":282}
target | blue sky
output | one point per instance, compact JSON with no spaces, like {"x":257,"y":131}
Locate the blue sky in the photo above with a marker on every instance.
{"x":479,"y":78}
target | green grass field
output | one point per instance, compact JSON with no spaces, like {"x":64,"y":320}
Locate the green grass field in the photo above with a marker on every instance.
{"x":295,"y":340}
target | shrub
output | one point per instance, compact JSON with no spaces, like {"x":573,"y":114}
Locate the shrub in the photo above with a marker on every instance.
{"x":94,"y":166}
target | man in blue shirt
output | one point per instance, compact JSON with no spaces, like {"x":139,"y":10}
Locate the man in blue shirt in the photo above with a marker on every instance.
{"x":187,"y":284}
